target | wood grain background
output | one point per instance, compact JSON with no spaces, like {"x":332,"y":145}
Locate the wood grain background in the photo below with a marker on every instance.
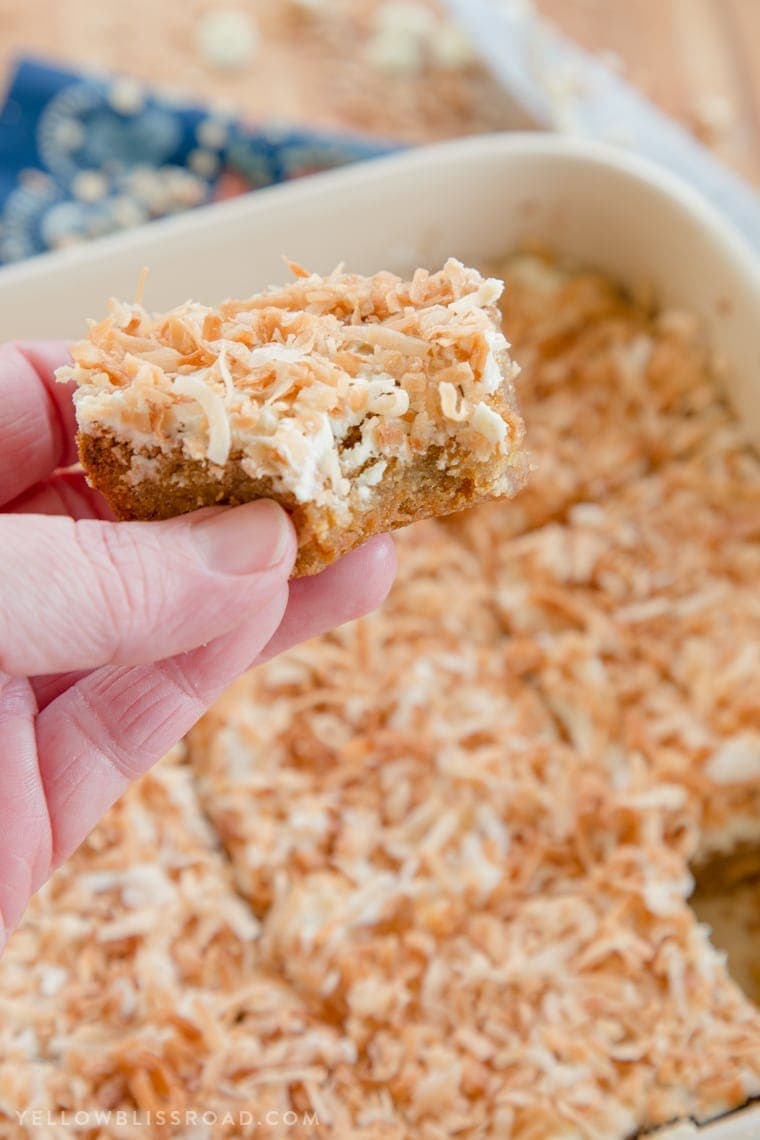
{"x":686,"y":55}
{"x":699,"y":59}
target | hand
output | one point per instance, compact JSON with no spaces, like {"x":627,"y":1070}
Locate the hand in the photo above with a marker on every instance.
{"x":116,"y":637}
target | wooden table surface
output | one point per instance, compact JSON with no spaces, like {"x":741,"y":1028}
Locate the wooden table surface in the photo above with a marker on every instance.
{"x":700,"y":59}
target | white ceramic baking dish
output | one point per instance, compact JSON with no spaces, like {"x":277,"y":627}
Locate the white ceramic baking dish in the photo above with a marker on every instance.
{"x":475,"y":199}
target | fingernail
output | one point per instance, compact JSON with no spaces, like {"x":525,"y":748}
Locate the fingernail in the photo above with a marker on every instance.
{"x":244,"y":539}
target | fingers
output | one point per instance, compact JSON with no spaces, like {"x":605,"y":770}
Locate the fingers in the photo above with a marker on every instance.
{"x":81,"y":594}
{"x":37,"y":423}
{"x":25,"y":837}
{"x":102,"y":729}
{"x":48,"y":686}
{"x":64,"y":493}
{"x":112,"y":725}
{"x":353,"y":586}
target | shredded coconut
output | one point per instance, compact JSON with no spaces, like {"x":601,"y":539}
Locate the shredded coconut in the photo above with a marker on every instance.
{"x":219,"y":436}
{"x":285,"y":378}
{"x":736,"y":761}
{"x":427,"y":875}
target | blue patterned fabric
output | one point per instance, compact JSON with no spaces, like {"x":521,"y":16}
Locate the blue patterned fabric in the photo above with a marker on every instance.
{"x":83,"y":155}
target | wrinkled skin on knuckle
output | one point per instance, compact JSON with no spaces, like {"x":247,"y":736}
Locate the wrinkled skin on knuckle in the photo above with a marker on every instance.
{"x":26,"y":834}
{"x":148,"y":589}
{"x":106,"y":610}
{"x":135,"y":593}
{"x":35,"y":598}
{"x":108,"y":741}
{"x":180,"y":675}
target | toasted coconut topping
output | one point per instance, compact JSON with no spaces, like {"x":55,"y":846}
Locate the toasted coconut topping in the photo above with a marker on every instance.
{"x":219,"y":436}
{"x":284,"y":379}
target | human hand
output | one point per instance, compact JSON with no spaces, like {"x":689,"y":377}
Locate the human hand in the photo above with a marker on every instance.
{"x":116,"y":637}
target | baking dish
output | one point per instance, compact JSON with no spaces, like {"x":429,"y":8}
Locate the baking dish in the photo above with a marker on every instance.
{"x":475,"y":199}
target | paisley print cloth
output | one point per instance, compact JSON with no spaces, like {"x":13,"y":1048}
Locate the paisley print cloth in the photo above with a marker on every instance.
{"x":86,"y":154}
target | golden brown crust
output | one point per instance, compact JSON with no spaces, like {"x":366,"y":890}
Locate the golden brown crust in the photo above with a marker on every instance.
{"x":407,"y":493}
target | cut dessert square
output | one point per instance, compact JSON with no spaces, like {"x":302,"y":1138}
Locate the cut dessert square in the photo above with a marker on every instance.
{"x":359,"y":403}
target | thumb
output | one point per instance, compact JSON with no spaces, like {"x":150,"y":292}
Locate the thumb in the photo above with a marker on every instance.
{"x":81,"y":594}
